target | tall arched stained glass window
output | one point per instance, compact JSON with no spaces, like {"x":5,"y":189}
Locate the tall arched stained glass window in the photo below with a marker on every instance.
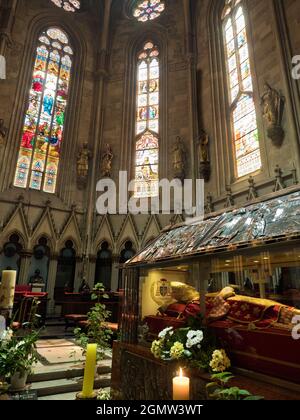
{"x":242,"y":106}
{"x":147,"y":123}
{"x":42,"y":135}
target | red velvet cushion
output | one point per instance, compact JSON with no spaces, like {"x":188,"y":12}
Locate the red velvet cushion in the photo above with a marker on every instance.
{"x":23,"y":288}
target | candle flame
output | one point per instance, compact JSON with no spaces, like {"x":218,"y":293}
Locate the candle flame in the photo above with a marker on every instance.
{"x":181,"y":373}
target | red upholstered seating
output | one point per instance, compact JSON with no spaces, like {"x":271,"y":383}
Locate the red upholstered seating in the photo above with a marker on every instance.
{"x":74,"y":319}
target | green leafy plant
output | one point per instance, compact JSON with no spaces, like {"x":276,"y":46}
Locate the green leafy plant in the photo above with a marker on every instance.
{"x":18,"y":354}
{"x":219,"y":389}
{"x":96,"y":331}
{"x":103,"y":395}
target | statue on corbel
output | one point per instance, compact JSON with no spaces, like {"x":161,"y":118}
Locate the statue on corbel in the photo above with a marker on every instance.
{"x":83,"y":158}
{"x":272,"y":103}
{"x":204,"y":156}
{"x":179,"y":159}
{"x":106,"y":162}
{"x":3,"y":133}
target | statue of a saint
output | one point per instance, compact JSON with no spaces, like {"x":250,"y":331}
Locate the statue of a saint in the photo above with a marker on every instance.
{"x":106,"y":162}
{"x":273,"y":106}
{"x":83,"y":164}
{"x":179,"y":159}
{"x":3,"y":132}
{"x":203,"y":147}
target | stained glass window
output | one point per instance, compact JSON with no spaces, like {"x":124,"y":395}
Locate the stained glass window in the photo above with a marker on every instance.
{"x":147,"y":122}
{"x":42,"y":135}
{"x":68,"y":5}
{"x":243,"y":113}
{"x":148,"y":10}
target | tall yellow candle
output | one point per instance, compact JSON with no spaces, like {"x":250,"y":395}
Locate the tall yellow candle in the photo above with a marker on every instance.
{"x":7,"y":289}
{"x":89,"y":372}
{"x":181,"y":388}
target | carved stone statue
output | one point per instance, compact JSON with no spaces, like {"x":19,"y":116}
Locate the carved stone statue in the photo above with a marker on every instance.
{"x":209,"y":207}
{"x":83,"y":165}
{"x":279,"y":181}
{"x":273,"y":105}
{"x":204,"y":156}
{"x":106,"y":162}
{"x":179,"y":159}
{"x":3,"y":132}
{"x":252,"y":193}
{"x":229,"y":197}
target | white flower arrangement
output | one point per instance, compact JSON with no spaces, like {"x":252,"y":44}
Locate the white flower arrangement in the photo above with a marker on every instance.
{"x":166,"y":331}
{"x":194,"y":338}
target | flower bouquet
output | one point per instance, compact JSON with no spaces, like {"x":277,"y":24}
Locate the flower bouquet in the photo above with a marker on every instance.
{"x":197,"y":347}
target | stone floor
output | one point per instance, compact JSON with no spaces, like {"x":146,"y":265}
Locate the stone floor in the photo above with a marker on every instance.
{"x":58,"y":375}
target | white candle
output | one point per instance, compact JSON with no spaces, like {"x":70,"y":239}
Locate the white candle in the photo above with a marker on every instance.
{"x":181,"y":388}
{"x":7,"y":289}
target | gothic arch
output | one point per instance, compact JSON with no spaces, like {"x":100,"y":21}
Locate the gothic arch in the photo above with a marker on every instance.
{"x":38,"y":23}
{"x":158,"y":36}
{"x":222,"y":131}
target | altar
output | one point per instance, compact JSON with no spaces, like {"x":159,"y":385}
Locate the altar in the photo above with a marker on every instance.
{"x":240,"y":272}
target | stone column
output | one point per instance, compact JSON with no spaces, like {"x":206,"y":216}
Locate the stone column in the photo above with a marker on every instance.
{"x":100,"y":75}
{"x":6,"y":21}
{"x":24,"y":267}
{"x":91,"y":271}
{"x":51,"y":283}
{"x":192,"y":86}
{"x":115,"y":272}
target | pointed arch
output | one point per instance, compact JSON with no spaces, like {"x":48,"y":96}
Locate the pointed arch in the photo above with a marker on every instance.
{"x":243,"y":117}
{"x":147,"y":121}
{"x":42,"y":134}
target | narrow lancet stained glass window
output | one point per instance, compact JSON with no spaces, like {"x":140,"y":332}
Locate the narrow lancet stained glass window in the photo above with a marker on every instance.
{"x":146,"y":10}
{"x":147,"y":123}
{"x":243,"y":113}
{"x":42,"y":135}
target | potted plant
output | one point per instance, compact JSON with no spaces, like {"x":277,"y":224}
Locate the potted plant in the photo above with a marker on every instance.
{"x":17,"y":356}
{"x":96,"y":330}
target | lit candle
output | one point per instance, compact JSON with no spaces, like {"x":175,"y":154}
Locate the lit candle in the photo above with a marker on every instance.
{"x":89,"y":372}
{"x":7,"y":289}
{"x":181,"y":388}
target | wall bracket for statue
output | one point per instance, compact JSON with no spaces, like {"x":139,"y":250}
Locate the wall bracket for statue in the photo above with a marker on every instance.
{"x":204,"y":156}
{"x":273,"y":103}
{"x":83,"y":159}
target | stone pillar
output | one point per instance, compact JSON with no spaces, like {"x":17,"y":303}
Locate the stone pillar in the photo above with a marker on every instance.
{"x":100,"y":76}
{"x":24,"y":267}
{"x":115,"y":272}
{"x":192,"y":86}
{"x":6,"y":22}
{"x":51,"y":283}
{"x":91,"y":271}
{"x":78,"y":274}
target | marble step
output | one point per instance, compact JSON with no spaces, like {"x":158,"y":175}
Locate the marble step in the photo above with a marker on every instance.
{"x":65,"y":371}
{"x":66,"y":386}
